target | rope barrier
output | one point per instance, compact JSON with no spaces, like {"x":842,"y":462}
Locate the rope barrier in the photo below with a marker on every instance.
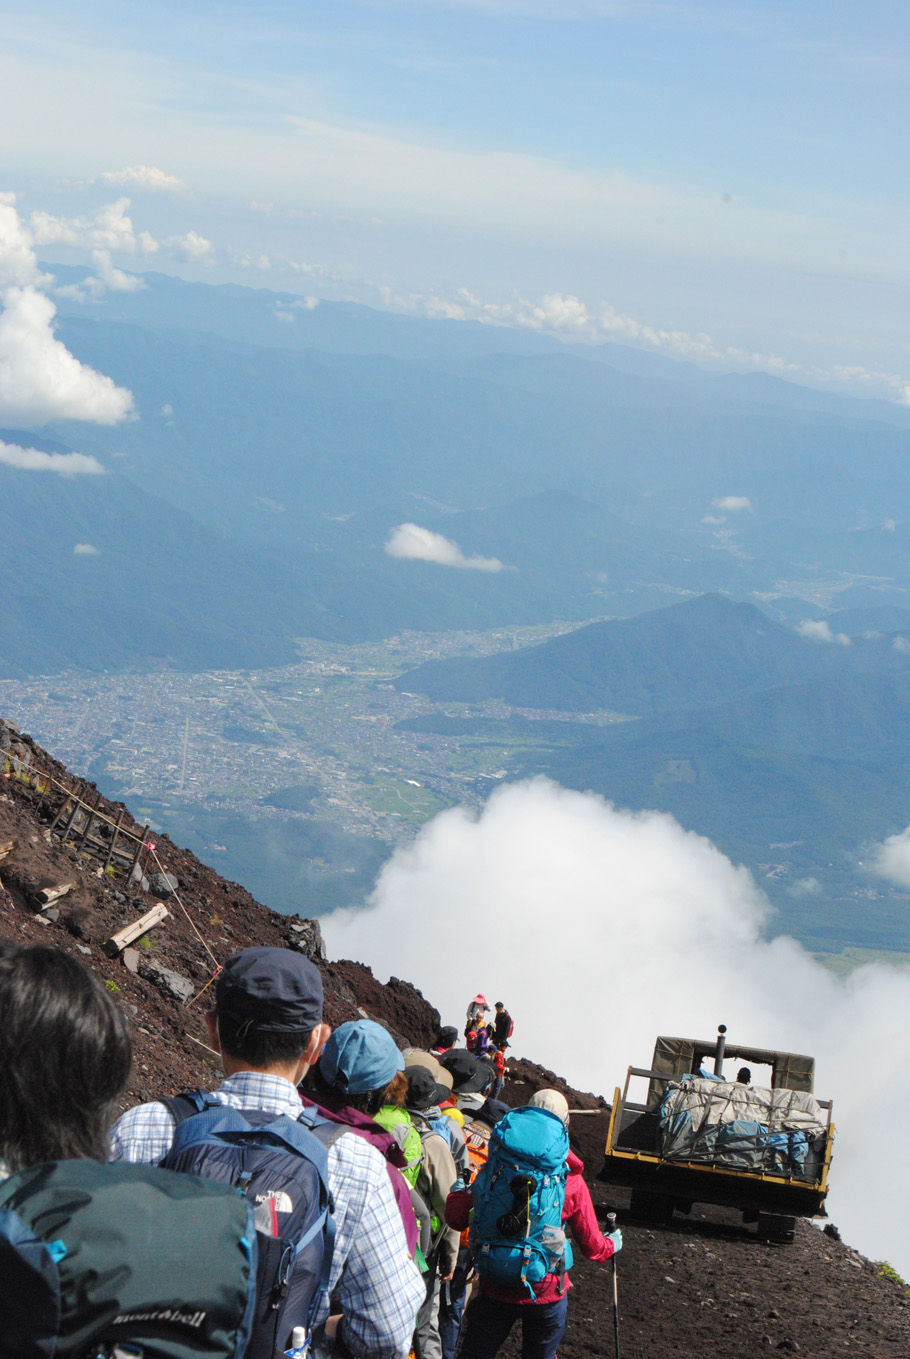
{"x":151,"y":848}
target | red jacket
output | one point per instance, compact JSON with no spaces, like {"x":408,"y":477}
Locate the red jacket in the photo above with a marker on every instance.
{"x":577,"y":1213}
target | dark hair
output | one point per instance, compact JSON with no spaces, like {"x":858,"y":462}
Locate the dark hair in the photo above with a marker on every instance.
{"x":65,"y":1055}
{"x":261,"y":1048}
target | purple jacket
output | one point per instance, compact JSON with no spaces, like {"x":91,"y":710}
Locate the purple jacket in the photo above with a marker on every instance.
{"x":334,"y":1108}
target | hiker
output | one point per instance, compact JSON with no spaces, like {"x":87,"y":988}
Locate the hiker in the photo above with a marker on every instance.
{"x":477,"y":1009}
{"x":471,"y":1078}
{"x":502,"y":1026}
{"x":267,"y":1026}
{"x":445,"y":1039}
{"x":477,"y":1131}
{"x":435,"y":1182}
{"x":65,"y":1054}
{"x":95,"y":1257}
{"x":497,"y":1059}
{"x":516,"y":1285}
{"x":359,"y":1081}
{"x":477,"y":1039}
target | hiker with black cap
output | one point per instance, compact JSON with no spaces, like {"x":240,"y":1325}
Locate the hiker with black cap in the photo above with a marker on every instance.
{"x":435,"y":1182}
{"x":267,"y":1026}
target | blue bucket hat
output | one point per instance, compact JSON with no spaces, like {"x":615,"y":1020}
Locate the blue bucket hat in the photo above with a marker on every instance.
{"x":360,"y":1056}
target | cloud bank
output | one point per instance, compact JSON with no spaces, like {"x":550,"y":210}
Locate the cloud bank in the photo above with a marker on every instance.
{"x":40,"y":379}
{"x":413,"y":543}
{"x":602,"y":929}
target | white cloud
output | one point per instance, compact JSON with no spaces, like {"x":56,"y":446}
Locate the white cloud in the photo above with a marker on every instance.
{"x":633,"y":927}
{"x":110,"y":229}
{"x":18,"y":264}
{"x":33,"y":460}
{"x":715,"y":519}
{"x":144,"y":177}
{"x":901,"y":644}
{"x":732,"y":504}
{"x":414,"y":543}
{"x":819,"y":630}
{"x":107,"y":279}
{"x":191,"y":246}
{"x":85,"y":550}
{"x":167,"y":410}
{"x":892,"y":859}
{"x":40,"y":379}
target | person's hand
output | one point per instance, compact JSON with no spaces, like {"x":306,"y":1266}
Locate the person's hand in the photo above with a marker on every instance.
{"x":616,"y":1238}
{"x":447,"y":1278}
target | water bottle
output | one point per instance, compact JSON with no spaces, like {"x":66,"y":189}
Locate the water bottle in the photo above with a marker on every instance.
{"x":300,"y":1344}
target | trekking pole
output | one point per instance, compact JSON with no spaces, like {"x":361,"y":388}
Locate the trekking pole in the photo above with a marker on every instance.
{"x":611,"y":1223}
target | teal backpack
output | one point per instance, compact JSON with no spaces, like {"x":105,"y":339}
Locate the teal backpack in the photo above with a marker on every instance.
{"x":123,"y":1260}
{"x":516,"y":1236}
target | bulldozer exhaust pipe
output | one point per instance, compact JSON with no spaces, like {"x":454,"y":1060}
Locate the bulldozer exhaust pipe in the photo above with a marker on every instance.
{"x":719,"y":1049}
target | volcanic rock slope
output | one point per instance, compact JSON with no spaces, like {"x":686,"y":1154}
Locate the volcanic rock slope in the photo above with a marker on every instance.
{"x":703,"y":1287}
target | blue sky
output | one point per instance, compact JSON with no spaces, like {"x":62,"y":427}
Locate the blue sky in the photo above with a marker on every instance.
{"x":716,"y":180}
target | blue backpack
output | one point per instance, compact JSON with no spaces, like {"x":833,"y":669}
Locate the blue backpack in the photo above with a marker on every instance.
{"x":281,"y":1165}
{"x":516,"y":1234}
{"x":100,"y":1260}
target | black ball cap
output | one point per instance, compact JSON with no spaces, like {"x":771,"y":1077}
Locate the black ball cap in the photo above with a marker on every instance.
{"x":274,"y":989}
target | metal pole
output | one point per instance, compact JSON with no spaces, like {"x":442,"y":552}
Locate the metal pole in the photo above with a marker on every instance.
{"x":611,"y":1223}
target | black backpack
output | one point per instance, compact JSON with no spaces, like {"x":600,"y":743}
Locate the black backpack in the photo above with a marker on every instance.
{"x":104,"y":1260}
{"x":281,"y":1166}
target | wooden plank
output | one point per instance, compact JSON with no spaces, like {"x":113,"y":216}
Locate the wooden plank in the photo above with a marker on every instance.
{"x":48,"y":895}
{"x":91,"y":818}
{"x":119,"y":941}
{"x":110,"y":853}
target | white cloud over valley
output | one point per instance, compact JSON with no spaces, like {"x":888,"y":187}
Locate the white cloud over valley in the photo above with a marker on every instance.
{"x":819,"y":630}
{"x":892,"y":859}
{"x":64,"y":464}
{"x":413,"y":543}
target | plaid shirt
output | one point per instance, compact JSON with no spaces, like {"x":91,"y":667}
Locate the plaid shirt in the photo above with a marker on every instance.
{"x":373,"y":1276}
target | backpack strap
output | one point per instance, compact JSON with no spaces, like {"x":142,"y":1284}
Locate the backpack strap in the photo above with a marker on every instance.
{"x":187,"y":1103}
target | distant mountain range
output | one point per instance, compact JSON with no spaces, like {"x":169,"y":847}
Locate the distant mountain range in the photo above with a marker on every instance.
{"x":700,"y":652}
{"x":273,"y":457}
